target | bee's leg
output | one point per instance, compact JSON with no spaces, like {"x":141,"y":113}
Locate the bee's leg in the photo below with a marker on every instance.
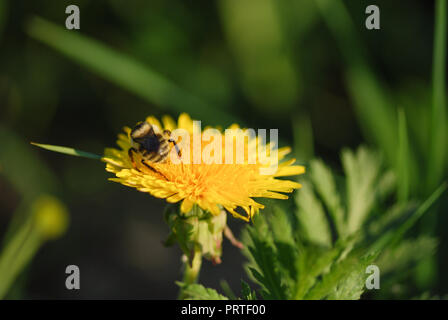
{"x":131,"y":157}
{"x":176,"y":147}
{"x":167,"y":134}
{"x":152,"y":169}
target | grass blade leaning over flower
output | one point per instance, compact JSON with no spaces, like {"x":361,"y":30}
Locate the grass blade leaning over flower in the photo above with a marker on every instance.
{"x":67,"y":150}
{"x":73,"y":152}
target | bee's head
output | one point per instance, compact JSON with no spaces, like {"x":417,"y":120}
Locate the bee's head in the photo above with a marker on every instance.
{"x":141,"y":131}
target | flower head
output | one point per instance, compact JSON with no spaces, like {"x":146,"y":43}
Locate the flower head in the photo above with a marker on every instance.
{"x":211,"y":186}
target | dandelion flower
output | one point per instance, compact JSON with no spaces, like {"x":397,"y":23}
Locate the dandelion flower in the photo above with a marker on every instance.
{"x":211,"y":186}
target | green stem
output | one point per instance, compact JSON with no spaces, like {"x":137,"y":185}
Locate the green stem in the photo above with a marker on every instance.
{"x":17,"y":254}
{"x":191,"y":272}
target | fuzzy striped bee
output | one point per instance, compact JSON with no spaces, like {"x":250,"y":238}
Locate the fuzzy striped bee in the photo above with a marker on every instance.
{"x":153,"y":146}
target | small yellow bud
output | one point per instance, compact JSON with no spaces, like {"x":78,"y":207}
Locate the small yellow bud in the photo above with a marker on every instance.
{"x":50,"y":216}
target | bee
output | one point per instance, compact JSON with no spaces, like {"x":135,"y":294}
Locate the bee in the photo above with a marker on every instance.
{"x":153,"y":146}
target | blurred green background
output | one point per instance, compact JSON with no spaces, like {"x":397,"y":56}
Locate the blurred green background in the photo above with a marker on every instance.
{"x":309,"y":68}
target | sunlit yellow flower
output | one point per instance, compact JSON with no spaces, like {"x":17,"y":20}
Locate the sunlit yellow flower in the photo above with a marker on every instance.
{"x":211,"y":186}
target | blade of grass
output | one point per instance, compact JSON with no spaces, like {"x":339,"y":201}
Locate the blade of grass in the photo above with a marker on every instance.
{"x":67,"y":150}
{"x":124,"y":71}
{"x":427,"y":269}
{"x":403,"y":158}
{"x":437,"y":152}
{"x":75,"y":152}
{"x":393,"y":236}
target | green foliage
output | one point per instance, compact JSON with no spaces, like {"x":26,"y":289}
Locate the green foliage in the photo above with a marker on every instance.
{"x":322,"y":249}
{"x":246,"y":292}
{"x":312,"y":262}
{"x":419,"y":167}
{"x":312,"y":217}
{"x":199,"y":292}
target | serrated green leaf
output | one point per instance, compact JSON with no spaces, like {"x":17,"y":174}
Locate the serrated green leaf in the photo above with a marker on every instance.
{"x":246,"y":292}
{"x":354,"y":262}
{"x":281,"y":226}
{"x":268,"y":270}
{"x":199,"y":292}
{"x":350,"y":288}
{"x":279,"y":255}
{"x":325,"y":185}
{"x":362,"y":171}
{"x":313,"y":262}
{"x":311,"y":217}
{"x":284,"y":244}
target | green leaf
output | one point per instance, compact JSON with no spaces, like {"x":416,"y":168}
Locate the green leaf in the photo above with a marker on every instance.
{"x":246,"y":292}
{"x":339,"y":277}
{"x":313,"y":262}
{"x":362,"y":170}
{"x":199,"y":292}
{"x":351,"y":287}
{"x":300,"y":265}
{"x":284,"y":244}
{"x":68,"y":150}
{"x":311,"y":216}
{"x":266,"y":269}
{"x":325,"y":185}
